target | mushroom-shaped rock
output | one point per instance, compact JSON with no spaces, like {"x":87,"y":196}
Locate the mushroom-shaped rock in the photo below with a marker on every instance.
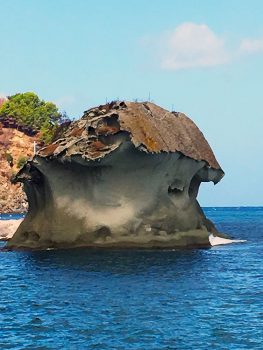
{"x":126,"y":174}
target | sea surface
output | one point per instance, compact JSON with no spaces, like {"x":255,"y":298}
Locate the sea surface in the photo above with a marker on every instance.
{"x":127,"y":299}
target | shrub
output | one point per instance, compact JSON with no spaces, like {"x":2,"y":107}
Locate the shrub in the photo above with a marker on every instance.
{"x":9,"y":159}
{"x":21,"y":161}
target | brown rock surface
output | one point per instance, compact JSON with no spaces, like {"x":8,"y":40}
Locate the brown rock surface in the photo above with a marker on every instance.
{"x":16,"y":144}
{"x":150,"y":127}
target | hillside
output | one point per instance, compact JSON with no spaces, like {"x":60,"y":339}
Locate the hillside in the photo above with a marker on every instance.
{"x":15,"y":147}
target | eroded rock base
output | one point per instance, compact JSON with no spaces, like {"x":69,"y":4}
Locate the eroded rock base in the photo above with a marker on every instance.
{"x":127,"y":199}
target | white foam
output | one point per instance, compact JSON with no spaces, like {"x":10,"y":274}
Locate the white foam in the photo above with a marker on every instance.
{"x":220,"y":241}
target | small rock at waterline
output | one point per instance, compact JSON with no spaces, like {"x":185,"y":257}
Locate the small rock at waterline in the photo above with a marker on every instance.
{"x":8,"y":228}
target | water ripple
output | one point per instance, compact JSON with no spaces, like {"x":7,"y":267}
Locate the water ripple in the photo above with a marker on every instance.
{"x":88,"y":299}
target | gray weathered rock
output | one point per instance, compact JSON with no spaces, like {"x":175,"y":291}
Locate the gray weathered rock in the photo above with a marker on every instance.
{"x":126,"y":175}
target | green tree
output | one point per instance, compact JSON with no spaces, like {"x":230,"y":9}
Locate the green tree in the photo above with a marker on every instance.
{"x":29,"y":110}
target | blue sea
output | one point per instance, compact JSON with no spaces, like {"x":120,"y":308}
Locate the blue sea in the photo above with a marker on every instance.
{"x":128,"y":299}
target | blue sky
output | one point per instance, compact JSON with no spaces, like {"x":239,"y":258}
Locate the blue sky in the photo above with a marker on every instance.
{"x":204,"y":58}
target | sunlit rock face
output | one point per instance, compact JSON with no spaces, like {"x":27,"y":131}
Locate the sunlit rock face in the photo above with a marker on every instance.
{"x":125,"y":175}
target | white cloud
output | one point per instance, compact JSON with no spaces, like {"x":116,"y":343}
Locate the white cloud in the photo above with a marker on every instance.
{"x":251,"y":46}
{"x":192,"y":45}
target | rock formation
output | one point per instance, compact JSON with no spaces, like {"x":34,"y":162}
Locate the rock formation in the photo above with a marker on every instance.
{"x":14,"y":146}
{"x":8,"y":228}
{"x":126,"y":174}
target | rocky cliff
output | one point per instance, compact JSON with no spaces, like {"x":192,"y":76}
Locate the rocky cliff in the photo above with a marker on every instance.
{"x":15,"y":148}
{"x":126,"y":174}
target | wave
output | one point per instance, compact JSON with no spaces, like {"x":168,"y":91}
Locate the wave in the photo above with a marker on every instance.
{"x":214,"y":240}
